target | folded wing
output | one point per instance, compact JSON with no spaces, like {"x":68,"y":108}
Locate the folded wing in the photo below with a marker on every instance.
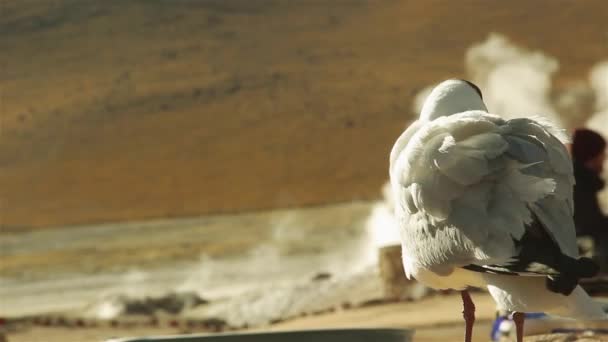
{"x":479,"y":191}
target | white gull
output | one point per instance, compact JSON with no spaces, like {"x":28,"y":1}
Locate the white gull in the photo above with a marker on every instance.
{"x":487,"y":202}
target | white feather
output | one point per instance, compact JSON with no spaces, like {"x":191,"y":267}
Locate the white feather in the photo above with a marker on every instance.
{"x":467,"y":182}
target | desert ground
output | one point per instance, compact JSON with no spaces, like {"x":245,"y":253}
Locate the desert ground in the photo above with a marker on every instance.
{"x":40,"y":274}
{"x":434,"y":319}
{"x":115,"y":110}
{"x":63,"y":272}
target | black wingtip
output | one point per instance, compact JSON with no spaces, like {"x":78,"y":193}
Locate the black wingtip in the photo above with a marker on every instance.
{"x":561,"y":284}
{"x":567,"y":281}
{"x":587,"y":268}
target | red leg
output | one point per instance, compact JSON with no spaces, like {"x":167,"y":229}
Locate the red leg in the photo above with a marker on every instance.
{"x":518,"y":318}
{"x":468,"y":313}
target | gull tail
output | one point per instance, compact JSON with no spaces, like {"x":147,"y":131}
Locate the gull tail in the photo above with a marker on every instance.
{"x":580,"y":305}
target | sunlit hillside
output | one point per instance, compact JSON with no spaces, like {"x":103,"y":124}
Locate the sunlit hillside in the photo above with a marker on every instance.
{"x":118,"y":110}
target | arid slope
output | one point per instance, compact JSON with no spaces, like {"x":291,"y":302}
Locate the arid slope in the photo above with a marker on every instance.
{"x":118,"y":110}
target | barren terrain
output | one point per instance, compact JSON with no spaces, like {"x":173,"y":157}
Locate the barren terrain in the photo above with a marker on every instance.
{"x":435,"y":319}
{"x":114,"y":110}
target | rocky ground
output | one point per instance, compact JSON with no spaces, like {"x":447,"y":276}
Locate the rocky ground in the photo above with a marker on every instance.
{"x":434,"y":319}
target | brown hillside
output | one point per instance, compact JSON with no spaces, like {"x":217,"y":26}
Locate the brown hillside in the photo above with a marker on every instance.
{"x":118,"y":110}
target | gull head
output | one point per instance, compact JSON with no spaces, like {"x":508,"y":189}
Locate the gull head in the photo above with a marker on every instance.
{"x":451,"y":97}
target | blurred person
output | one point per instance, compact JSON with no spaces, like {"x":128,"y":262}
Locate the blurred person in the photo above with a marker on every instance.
{"x":588,"y":155}
{"x":588,"y":151}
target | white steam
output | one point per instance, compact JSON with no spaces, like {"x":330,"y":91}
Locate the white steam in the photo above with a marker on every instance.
{"x":381,"y":223}
{"x":515,"y":81}
{"x":598,"y":79}
{"x":314,"y":261}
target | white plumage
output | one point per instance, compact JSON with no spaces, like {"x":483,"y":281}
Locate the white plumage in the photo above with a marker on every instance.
{"x":469,"y":185}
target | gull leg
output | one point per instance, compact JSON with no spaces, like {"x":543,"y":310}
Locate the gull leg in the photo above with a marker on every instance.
{"x":518,"y":318}
{"x":468,"y":313}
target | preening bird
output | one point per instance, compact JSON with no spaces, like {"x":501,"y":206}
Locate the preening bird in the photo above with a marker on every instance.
{"x":487,"y":202}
